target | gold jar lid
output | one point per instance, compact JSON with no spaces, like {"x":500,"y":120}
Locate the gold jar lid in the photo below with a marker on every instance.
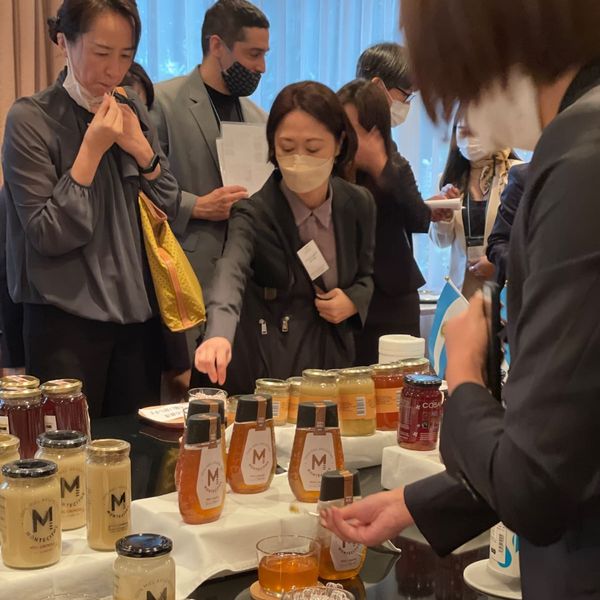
{"x":17,"y":395}
{"x":414,"y":362}
{"x":356,"y":373}
{"x":393,"y":368}
{"x":319,"y":375}
{"x":295,"y":383}
{"x":19,"y":382}
{"x":8,"y":443}
{"x":61,"y":386}
{"x":273,"y":385}
{"x":108,"y":447}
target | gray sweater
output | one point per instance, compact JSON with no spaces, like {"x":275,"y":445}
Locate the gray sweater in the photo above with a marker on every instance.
{"x":75,"y":247}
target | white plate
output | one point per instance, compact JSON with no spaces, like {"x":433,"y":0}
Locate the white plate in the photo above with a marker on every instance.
{"x":481,"y":579}
{"x":451,"y":203}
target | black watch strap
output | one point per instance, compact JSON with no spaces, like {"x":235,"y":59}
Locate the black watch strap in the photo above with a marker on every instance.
{"x":150,"y":168}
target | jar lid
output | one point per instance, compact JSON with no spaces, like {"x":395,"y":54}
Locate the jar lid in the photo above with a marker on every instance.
{"x":206,"y":394}
{"x":423,"y":380}
{"x":333,"y":484}
{"x":387,"y":368}
{"x":199,"y":428}
{"x":8,"y":442}
{"x":143,"y":545}
{"x":295,"y":383}
{"x":400,"y":346}
{"x":62,"y":439}
{"x":272,"y":385}
{"x":307,"y":414}
{"x":248,"y":405}
{"x":320,"y":375}
{"x":17,"y":382}
{"x":108,"y":446}
{"x":17,"y":395}
{"x":29,"y":469}
{"x":354,"y":372}
{"x":62,"y":386}
{"x":197,"y":406}
{"x":414,"y":362}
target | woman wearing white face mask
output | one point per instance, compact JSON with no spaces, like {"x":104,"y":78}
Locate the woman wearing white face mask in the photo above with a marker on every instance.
{"x":74,"y":161}
{"x":480,"y":177}
{"x":291,"y":317}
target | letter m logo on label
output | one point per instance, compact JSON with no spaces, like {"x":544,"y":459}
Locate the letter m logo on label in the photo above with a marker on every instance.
{"x":114,"y":501}
{"x":65,"y":488}
{"x":319,"y":462}
{"x":151,"y":596}
{"x":212,"y":477}
{"x":37,"y":519}
{"x":259,"y":456}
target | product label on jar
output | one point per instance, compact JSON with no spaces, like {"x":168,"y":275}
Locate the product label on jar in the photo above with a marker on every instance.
{"x":276,"y":409}
{"x":72,"y":491}
{"x":4,"y":427}
{"x":41,"y":524}
{"x":318,"y":456}
{"x":50,"y":422}
{"x":210,"y":485}
{"x":117,"y":509}
{"x":421,"y":422}
{"x":257,"y":461}
{"x":388,"y":400}
{"x":136,"y":588}
{"x":352,"y":407}
{"x":345,"y":556}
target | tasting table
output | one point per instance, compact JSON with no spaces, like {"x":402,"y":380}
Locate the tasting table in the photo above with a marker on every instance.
{"x":415,"y":573}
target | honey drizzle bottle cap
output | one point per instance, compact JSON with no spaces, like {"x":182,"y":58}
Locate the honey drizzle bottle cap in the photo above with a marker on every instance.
{"x":338,"y":485}
{"x":254,"y":408}
{"x":203,"y":428}
{"x":317,"y":416}
{"x":198,"y":406}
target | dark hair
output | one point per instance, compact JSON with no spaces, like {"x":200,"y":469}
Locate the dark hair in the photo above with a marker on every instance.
{"x":389,"y":62}
{"x":322,"y":104}
{"x":137,"y":74}
{"x":457,"y":167}
{"x":458,"y":48}
{"x":227,"y":19}
{"x":75,"y":17}
{"x":372,"y":107}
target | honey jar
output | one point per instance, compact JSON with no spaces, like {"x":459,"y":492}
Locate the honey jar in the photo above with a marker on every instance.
{"x":295,"y":385}
{"x":279,"y":390}
{"x":357,"y":409}
{"x":388,"y":379}
{"x":318,"y":385}
{"x":22,"y":415}
{"x":9,"y":449}
{"x":65,"y":406}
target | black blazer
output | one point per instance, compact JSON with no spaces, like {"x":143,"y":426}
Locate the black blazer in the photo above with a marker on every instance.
{"x":499,"y":238}
{"x":536,"y":465}
{"x":261,"y":282}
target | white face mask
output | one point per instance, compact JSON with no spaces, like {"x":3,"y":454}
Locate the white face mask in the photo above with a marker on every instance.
{"x":303,"y":173}
{"x":76,"y":91}
{"x":470,"y":147}
{"x":507,"y":117}
{"x":399,"y":112}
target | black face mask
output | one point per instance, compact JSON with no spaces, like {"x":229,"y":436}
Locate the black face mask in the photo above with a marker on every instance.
{"x":240,"y":80}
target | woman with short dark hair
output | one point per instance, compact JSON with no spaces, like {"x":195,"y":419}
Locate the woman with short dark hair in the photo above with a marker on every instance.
{"x":74,"y":162}
{"x":289,"y":318}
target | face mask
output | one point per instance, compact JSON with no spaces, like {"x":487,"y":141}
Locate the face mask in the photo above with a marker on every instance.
{"x":470,"y":147}
{"x":76,"y":91}
{"x":507,"y":117}
{"x":240,"y":80}
{"x":304,"y":174}
{"x":399,"y":112}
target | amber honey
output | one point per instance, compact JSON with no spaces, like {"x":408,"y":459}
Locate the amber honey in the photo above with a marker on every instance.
{"x":353,"y":554}
{"x":282,"y":571}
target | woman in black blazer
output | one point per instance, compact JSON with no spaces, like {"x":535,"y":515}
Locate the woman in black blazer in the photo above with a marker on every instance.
{"x":266,"y":315}
{"x":400,"y":213}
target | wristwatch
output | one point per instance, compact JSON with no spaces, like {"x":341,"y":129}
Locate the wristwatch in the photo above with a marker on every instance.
{"x":150,"y":168}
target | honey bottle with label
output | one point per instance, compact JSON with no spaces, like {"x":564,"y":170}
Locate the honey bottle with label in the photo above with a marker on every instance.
{"x":339,"y":559}
{"x":201,"y":491}
{"x":317,"y":448}
{"x":251,"y":460}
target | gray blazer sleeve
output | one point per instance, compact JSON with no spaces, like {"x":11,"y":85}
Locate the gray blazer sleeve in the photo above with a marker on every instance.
{"x":232,"y":272}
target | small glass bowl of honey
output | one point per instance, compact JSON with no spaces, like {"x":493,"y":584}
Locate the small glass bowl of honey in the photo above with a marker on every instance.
{"x":287,"y":562}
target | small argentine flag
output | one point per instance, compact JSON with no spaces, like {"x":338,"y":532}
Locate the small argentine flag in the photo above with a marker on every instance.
{"x":450,"y":304}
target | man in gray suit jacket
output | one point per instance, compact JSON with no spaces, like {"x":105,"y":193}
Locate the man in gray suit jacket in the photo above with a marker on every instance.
{"x":188,"y":111}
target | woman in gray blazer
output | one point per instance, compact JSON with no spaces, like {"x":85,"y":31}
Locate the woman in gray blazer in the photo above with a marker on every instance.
{"x":270,"y":314}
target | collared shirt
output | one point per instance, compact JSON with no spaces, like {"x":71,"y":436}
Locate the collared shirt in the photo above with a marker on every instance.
{"x":316,"y":225}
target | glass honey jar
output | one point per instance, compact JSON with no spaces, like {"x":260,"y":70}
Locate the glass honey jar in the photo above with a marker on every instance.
{"x":9,"y":449}
{"x":339,"y":559}
{"x":357,"y":409}
{"x":65,"y":406}
{"x":251,"y":460}
{"x":388,"y":379}
{"x":201,"y":492}
{"x":279,"y":390}
{"x":23,"y":416}
{"x":318,"y":385}
{"x":295,"y":385}
{"x":317,"y":448}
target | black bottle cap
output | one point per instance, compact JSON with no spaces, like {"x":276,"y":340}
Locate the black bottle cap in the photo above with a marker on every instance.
{"x":29,"y":469}
{"x":307,"y":414}
{"x":198,"y":406}
{"x":247,"y":407}
{"x":333,"y":485}
{"x":62,"y":439}
{"x":198,"y":428}
{"x":143,"y":545}
{"x":423,"y":380}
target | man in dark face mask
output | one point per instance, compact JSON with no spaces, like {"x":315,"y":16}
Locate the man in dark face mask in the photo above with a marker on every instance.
{"x":188,"y":112}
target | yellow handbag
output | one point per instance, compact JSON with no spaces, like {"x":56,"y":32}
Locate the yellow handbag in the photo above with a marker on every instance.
{"x":177,"y":287}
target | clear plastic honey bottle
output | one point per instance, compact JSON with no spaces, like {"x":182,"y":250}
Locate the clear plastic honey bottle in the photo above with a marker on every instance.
{"x":201,"y":491}
{"x":251,"y":460}
{"x":317,"y":448}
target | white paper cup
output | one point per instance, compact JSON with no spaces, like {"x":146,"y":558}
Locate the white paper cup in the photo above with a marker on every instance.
{"x":504,"y":552}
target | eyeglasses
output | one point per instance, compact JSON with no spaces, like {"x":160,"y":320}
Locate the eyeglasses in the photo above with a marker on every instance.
{"x":409,"y":96}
